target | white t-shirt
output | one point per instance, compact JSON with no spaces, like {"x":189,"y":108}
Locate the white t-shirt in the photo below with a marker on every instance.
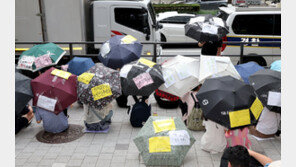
{"x":213,"y":139}
{"x":268,"y":122}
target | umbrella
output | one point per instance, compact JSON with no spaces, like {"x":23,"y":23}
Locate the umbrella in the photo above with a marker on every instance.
{"x":206,"y":28}
{"x":229,"y":102}
{"x":98,"y":86}
{"x":267,"y":85}
{"x":120,"y":50}
{"x":23,"y":92}
{"x":79,"y":65}
{"x":216,"y":66}
{"x":40,"y":56}
{"x":180,"y":74}
{"x":276,"y":65}
{"x":164,"y":141}
{"x":54,"y":90}
{"x":141,"y":77}
{"x":247,"y":69}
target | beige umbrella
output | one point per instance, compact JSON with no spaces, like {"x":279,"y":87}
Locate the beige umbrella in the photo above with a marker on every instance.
{"x":180,"y":74}
{"x":216,"y":66}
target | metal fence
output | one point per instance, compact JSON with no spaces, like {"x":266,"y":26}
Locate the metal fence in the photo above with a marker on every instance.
{"x":155,"y":55}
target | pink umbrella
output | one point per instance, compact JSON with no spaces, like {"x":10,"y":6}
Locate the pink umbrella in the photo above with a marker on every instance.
{"x":54,"y":90}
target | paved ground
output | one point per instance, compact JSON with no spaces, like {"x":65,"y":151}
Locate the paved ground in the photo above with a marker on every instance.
{"x":114,"y":149}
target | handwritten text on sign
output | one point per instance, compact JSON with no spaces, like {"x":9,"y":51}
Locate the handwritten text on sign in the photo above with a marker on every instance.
{"x":143,"y":80}
{"x":101,"y":91}
{"x":159,"y":144}
{"x":46,"y":103}
{"x":128,"y":39}
{"x":146,"y":62}
{"x":85,"y":77}
{"x":179,"y":137}
{"x":164,"y":125}
{"x":26,"y":62}
{"x":61,"y":73}
{"x":43,"y":61}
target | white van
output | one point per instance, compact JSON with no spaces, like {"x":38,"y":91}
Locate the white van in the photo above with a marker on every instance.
{"x":252,"y":24}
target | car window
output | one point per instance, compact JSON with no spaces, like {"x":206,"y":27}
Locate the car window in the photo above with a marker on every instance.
{"x":130,"y":17}
{"x":277,"y":25}
{"x":253,"y":24}
{"x":176,"y":19}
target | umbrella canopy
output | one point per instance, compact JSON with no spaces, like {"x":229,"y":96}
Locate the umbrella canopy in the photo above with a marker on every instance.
{"x":120,"y":50}
{"x":276,"y":65}
{"x":229,"y":102}
{"x":247,"y":69}
{"x":216,"y":66}
{"x":23,"y":92}
{"x":141,"y":77}
{"x":180,"y":74}
{"x":79,"y":65}
{"x":98,"y":86}
{"x":40,"y":56}
{"x":164,"y":141}
{"x":54,"y":90}
{"x":206,"y":28}
{"x":267,"y":85}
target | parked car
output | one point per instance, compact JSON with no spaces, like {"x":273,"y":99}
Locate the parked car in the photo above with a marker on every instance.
{"x":173,"y":26}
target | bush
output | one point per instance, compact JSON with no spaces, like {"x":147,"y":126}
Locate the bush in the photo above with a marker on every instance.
{"x":180,"y":8}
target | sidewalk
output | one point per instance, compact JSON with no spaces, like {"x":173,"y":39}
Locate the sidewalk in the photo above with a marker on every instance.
{"x":115,"y":148}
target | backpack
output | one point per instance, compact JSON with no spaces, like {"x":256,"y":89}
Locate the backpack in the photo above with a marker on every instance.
{"x":194,"y":120}
{"x":139,"y":113}
{"x":166,"y":100}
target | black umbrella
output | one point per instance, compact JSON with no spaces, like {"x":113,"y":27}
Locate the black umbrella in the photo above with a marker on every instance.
{"x":229,"y":102}
{"x":141,"y":77}
{"x":23,"y":92}
{"x":206,"y":28}
{"x":267,"y":82}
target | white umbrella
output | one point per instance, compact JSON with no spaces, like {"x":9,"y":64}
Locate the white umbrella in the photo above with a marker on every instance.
{"x":180,"y":74}
{"x":216,"y":66}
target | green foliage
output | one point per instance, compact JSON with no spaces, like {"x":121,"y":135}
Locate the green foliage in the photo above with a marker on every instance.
{"x":180,"y":8}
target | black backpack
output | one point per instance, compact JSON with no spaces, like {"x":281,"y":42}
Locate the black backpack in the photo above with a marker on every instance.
{"x":140,"y":112}
{"x":122,"y":101}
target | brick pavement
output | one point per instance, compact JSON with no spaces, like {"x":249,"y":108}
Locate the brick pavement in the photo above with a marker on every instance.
{"x":114,"y":149}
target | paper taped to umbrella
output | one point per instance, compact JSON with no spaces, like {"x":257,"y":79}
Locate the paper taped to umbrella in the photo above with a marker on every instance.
{"x":54,"y":93}
{"x":26,"y":62}
{"x":167,"y":147}
{"x":206,"y":28}
{"x":105,"y":49}
{"x":274,"y":99}
{"x":128,"y":40}
{"x":99,"y":86}
{"x":141,"y":77}
{"x":43,"y":61}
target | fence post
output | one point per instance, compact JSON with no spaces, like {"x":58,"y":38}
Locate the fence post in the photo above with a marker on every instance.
{"x":71,"y":50}
{"x":241,"y":53}
{"x":155,"y":52}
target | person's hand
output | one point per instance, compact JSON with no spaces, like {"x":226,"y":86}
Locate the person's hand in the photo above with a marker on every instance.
{"x":200,"y":44}
{"x":30,"y":109}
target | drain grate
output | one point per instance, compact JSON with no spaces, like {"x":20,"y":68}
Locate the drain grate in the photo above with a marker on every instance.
{"x":72,"y":133}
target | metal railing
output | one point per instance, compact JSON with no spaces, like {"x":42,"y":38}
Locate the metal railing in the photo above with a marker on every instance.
{"x":155,"y":55}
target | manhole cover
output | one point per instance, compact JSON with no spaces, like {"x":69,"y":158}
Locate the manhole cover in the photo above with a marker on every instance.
{"x":72,"y":133}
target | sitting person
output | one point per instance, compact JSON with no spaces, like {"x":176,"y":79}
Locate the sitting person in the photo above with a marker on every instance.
{"x":268,"y":124}
{"x":51,"y":122}
{"x":23,"y":119}
{"x":240,"y":156}
{"x":97,"y":120}
{"x":238,"y":137}
{"x":213,"y":140}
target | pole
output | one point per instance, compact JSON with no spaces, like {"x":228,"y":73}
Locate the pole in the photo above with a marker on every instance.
{"x":241,"y":53}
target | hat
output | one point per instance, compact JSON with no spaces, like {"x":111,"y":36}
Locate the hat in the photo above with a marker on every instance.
{"x":275,"y":164}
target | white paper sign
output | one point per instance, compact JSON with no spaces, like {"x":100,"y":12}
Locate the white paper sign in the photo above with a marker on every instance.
{"x":179,"y":137}
{"x":274,"y":99}
{"x":182,"y":72}
{"x":207,"y":28}
{"x":168,"y":78}
{"x":105,"y":49}
{"x":46,"y":103}
{"x":26,"y":62}
{"x":125,"y":70}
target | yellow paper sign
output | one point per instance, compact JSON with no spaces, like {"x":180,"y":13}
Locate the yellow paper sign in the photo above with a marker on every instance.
{"x":159,"y":144}
{"x":61,"y":73}
{"x":256,"y":108}
{"x":128,"y":39}
{"x":101,"y":91}
{"x":239,"y":118}
{"x":85,"y":77}
{"x":164,"y":125}
{"x":147,"y":62}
